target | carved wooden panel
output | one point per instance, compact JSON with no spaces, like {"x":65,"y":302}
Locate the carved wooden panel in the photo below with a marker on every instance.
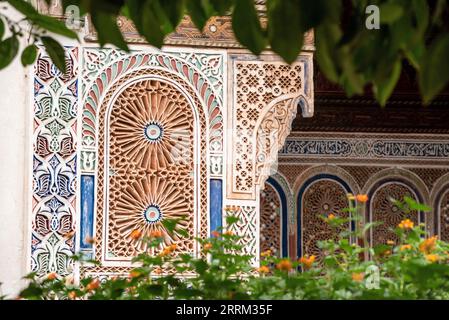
{"x":444,"y":217}
{"x":385,"y":211}
{"x":270,"y":221}
{"x":322,"y":198}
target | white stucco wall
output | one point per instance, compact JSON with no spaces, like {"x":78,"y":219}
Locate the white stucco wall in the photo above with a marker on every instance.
{"x":14,"y":190}
{"x":15,"y":111}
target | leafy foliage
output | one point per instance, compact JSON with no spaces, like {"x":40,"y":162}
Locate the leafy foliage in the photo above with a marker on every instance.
{"x":415,"y":267}
{"x":348,"y":52}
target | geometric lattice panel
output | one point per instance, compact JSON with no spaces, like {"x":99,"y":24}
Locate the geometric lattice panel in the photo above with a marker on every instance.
{"x":385,"y":211}
{"x":322,"y":198}
{"x":444,"y":217}
{"x":270,"y":221}
{"x":151,"y":148}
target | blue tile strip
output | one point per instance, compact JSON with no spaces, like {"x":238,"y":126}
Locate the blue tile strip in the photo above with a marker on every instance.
{"x":216,"y":204}
{"x":87,"y":210}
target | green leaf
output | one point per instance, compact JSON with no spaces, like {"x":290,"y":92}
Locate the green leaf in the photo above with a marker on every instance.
{"x":421,"y":10}
{"x":29,"y":55}
{"x":108,"y":32}
{"x":434,"y":73}
{"x":2,"y":29}
{"x":390,"y":12}
{"x":247,"y":28}
{"x":147,"y":21}
{"x":286,"y":39}
{"x":230,"y":220}
{"x":200,"y":12}
{"x":416,"y":206}
{"x":56,"y":52}
{"x":384,"y":88}
{"x":221,"y":6}
{"x":326,"y":38}
{"x":8,"y":51}
{"x":174,"y":10}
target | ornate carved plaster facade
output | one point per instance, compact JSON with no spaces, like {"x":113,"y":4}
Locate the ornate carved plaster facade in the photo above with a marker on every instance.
{"x":124,"y":141}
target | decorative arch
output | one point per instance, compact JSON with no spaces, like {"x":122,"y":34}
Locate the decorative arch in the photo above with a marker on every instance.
{"x":272,"y":130}
{"x":392,"y":183}
{"x":319,"y":195}
{"x":329,"y":170}
{"x":193,"y":196}
{"x":274,"y":231}
{"x":440,"y":203}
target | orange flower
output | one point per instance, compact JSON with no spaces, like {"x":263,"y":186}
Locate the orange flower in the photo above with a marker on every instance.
{"x":363,"y":198}
{"x":386,"y":253}
{"x":134,"y":274}
{"x":90,"y":240}
{"x":406,"y":224}
{"x":157,"y":270}
{"x":391,"y":242}
{"x":173,"y":247}
{"x":428,"y":245}
{"x":266,"y":254}
{"x":165,"y":252}
{"x":72,"y":295}
{"x":358,"y":276}
{"x":307,"y":262}
{"x":405,"y":247}
{"x":207,"y":246}
{"x":229,"y":233}
{"x":94,"y":284}
{"x":263,"y":269}
{"x":156,"y":234}
{"x":331,"y":216}
{"x":432,"y":257}
{"x":284,"y":265}
{"x":135,"y":234}
{"x":52,"y":276}
{"x":215,"y":234}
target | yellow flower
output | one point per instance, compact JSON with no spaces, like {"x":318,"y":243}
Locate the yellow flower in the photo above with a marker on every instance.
{"x":307,"y":262}
{"x":363,"y":198}
{"x":94,"y":284}
{"x":358,"y":277}
{"x":350,"y":196}
{"x":52,"y":276}
{"x":405,"y":247}
{"x":207,"y":246}
{"x":229,"y":233}
{"x":72,"y":295}
{"x":266,"y":254}
{"x":391,"y":243}
{"x":432,"y":257}
{"x":428,"y":245}
{"x":284,"y":265}
{"x":135,"y":234}
{"x":406,"y":224}
{"x":263,"y":269}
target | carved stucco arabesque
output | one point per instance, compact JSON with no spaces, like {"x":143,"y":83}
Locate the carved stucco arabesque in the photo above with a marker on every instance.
{"x":250,"y":105}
